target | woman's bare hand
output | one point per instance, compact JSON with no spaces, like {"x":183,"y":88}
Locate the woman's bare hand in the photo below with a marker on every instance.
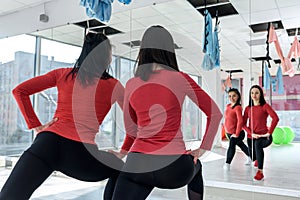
{"x":42,"y":127}
{"x":197,"y":153}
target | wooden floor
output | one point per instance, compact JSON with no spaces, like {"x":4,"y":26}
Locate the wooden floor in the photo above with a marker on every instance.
{"x":281,"y":169}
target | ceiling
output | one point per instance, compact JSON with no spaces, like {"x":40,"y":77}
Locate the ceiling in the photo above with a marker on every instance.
{"x":238,"y":42}
{"x":10,"y":6}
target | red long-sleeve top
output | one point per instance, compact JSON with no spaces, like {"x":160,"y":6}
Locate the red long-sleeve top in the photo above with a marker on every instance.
{"x":233,"y":119}
{"x":80,"y":109}
{"x":255,"y":119}
{"x":152,"y":113}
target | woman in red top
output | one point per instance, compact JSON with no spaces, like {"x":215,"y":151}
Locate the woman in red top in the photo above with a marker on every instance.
{"x":259,"y":135}
{"x":66,"y":144}
{"x":233,"y":126}
{"x":153,"y":101}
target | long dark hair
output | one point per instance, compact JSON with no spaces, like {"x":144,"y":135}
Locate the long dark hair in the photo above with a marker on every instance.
{"x":262,"y":100}
{"x":236,"y":91}
{"x":94,"y":59}
{"x":157,"y":46}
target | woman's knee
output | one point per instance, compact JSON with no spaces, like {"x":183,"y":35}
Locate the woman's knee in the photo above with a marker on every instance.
{"x":241,"y":135}
{"x":233,"y":141}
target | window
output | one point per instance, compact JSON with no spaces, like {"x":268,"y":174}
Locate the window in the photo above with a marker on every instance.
{"x":16,"y":65}
{"x":191,"y":117}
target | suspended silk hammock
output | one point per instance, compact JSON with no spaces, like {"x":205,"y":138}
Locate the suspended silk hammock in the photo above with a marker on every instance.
{"x":210,"y":46}
{"x":125,"y":1}
{"x":100,"y":9}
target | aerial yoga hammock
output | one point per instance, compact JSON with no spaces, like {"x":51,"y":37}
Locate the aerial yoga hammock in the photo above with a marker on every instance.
{"x":275,"y":82}
{"x":210,"y":45}
{"x":100,"y":9}
{"x":286,"y":63}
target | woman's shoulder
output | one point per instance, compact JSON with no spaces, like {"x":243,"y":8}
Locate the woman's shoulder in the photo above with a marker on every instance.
{"x":62,"y":70}
{"x":238,"y":107}
{"x":267,"y":106}
{"x":169,"y":72}
{"x":133,"y":79}
{"x":186,"y":77}
{"x":112,"y":81}
{"x":183,"y":74}
{"x":58,"y":72}
{"x":247,"y":108}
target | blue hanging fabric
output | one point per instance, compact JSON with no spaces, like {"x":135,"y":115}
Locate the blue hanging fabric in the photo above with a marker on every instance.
{"x":207,"y":46}
{"x":207,"y":37}
{"x":99,"y":9}
{"x":268,"y":79}
{"x":216,"y":47}
{"x":280,"y":81}
{"x":125,"y":1}
{"x":207,"y":63}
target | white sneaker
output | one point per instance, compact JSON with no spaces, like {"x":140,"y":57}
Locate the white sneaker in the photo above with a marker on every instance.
{"x":248,"y":161}
{"x":226,"y":167}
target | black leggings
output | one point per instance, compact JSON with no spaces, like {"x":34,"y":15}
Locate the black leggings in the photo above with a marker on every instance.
{"x":143,"y":172}
{"x":233,"y":142}
{"x":50,"y":152}
{"x":257,"y":147}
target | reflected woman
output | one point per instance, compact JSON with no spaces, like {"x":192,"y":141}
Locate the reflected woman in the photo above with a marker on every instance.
{"x":233,"y":127}
{"x":259,"y":135}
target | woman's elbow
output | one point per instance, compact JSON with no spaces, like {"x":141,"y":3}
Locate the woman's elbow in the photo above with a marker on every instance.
{"x":277,"y":120}
{"x":220,"y":115}
{"x":16,"y":91}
